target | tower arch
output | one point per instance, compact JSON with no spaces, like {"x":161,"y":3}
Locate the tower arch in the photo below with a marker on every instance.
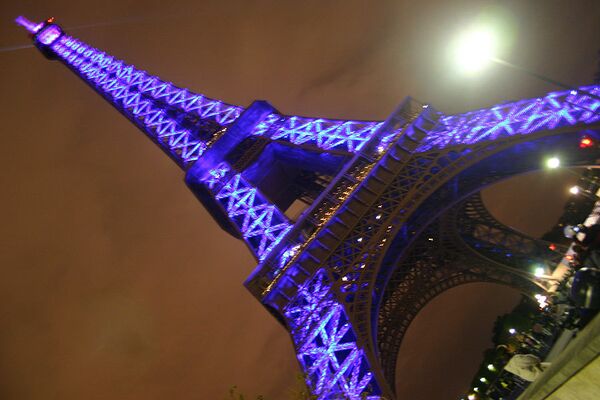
{"x":447,"y":255}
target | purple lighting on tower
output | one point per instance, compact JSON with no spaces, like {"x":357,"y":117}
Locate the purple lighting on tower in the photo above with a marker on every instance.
{"x":32,"y":27}
{"x":554,"y":110}
{"x":336,"y":367}
{"x":261,"y":223}
{"x":49,"y":34}
{"x":320,"y":272}
{"x":326,"y":134}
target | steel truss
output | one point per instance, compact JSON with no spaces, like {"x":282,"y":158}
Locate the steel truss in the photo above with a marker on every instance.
{"x":465,"y":245}
{"x":346,"y":277}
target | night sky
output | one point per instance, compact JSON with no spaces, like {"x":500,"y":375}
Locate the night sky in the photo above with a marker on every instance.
{"x":116,"y":284}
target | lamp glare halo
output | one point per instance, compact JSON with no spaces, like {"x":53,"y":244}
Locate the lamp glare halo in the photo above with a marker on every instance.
{"x":474,"y":49}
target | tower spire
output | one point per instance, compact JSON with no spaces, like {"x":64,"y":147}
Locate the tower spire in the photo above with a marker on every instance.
{"x":182,"y":123}
{"x":194,"y":130}
{"x":31,"y":27}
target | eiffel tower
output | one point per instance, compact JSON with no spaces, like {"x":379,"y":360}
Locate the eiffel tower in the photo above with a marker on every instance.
{"x":391,"y":217}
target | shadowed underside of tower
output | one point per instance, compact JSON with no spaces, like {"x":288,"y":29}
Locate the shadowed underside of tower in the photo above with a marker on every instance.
{"x":391,"y":216}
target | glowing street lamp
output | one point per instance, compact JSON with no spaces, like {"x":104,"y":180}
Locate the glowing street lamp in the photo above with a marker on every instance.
{"x":553,"y":162}
{"x":576,"y":190}
{"x":474,"y":49}
{"x":477,"y":47}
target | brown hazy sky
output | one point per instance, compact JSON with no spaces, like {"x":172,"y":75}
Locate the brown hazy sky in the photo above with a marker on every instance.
{"x":116,"y":284}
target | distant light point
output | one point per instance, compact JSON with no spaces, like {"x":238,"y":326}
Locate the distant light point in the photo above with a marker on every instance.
{"x":553,"y":162}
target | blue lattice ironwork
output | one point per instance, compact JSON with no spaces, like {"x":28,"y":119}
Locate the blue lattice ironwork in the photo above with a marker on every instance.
{"x":163,"y":111}
{"x":136,"y":90}
{"x":320,"y":277}
{"x":553,"y":111}
{"x":335,"y":365}
{"x":261,"y":224}
{"x":146,"y":99}
{"x":326,"y":134}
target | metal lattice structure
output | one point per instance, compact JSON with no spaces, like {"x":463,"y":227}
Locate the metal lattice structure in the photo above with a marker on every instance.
{"x":498,"y":242}
{"x":379,"y":237}
{"x":464,"y":245}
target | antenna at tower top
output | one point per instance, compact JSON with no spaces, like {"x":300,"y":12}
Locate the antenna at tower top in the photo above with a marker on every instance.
{"x":32,"y":27}
{"x":45,"y":33}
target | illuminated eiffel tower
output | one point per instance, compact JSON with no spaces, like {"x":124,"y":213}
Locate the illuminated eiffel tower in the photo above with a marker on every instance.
{"x":392,"y":216}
